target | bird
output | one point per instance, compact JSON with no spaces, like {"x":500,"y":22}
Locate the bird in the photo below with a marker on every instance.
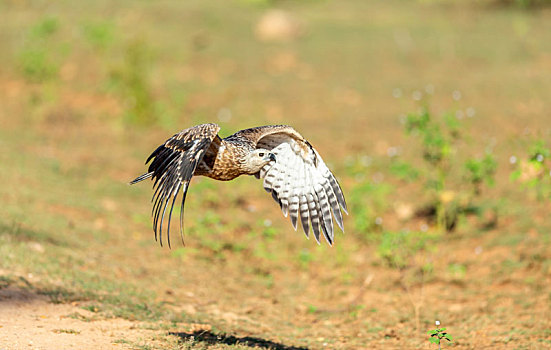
{"x":292,"y":171}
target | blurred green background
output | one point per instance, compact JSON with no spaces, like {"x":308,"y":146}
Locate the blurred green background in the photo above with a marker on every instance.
{"x":434,"y":116}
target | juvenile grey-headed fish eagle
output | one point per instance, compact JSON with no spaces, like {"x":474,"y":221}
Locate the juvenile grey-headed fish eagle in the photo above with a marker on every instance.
{"x":292,"y":169}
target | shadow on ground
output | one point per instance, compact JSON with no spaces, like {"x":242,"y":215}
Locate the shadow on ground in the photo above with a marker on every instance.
{"x":17,"y":296}
{"x":17,"y":289}
{"x":213,"y":339}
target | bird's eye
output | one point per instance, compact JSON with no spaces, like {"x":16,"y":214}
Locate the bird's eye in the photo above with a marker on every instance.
{"x":261,"y":154}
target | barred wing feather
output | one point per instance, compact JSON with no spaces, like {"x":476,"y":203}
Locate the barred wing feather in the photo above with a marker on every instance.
{"x":302,"y":185}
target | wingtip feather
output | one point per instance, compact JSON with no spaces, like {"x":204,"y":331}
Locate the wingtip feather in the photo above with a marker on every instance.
{"x":141,"y":178}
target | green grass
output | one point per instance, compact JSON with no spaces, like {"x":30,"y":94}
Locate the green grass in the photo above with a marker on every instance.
{"x":67,"y":331}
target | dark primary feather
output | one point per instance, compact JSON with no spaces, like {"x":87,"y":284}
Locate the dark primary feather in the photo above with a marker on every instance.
{"x":172,"y":166}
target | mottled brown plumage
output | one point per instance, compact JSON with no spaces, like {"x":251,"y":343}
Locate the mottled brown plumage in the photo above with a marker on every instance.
{"x":293,"y":173}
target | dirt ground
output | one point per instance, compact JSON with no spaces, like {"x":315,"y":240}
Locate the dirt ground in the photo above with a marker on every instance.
{"x":31,"y":321}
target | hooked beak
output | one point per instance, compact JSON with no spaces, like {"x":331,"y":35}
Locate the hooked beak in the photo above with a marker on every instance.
{"x":271,"y":157}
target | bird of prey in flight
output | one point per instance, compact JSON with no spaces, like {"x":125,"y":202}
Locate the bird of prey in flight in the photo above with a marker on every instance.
{"x":291,"y":169}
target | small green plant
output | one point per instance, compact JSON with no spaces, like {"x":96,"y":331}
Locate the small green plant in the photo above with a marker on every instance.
{"x":132,"y":80}
{"x":457,"y":271}
{"x":304,"y":258}
{"x":404,"y":170}
{"x":45,"y":28}
{"x":397,"y":249}
{"x":438,"y":334}
{"x":312,"y":309}
{"x":481,"y":171}
{"x":35,"y":64}
{"x":368,"y":201}
{"x":368,"y":197}
{"x":534,"y":172}
{"x":437,"y":151}
{"x":524,"y":4}
{"x":439,"y":140}
{"x":435,"y":140}
{"x":67,"y":331}
{"x":35,"y":59}
{"x":99,"y":34}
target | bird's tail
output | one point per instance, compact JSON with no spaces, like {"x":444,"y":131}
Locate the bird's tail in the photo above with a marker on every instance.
{"x":141,"y":178}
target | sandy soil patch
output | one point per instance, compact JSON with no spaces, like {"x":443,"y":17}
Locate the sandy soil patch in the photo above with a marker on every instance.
{"x":30,"y":321}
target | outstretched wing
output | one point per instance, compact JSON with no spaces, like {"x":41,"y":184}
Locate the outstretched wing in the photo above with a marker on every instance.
{"x":299,"y":180}
{"x":172,"y":168}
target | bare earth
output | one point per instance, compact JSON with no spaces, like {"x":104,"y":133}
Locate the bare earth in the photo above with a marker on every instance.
{"x":31,"y":321}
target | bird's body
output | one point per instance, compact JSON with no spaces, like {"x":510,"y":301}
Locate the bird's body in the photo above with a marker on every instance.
{"x":223,"y":160}
{"x":292,"y":170}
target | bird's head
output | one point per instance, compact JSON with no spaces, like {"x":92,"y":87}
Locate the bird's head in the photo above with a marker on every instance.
{"x":256,"y":159}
